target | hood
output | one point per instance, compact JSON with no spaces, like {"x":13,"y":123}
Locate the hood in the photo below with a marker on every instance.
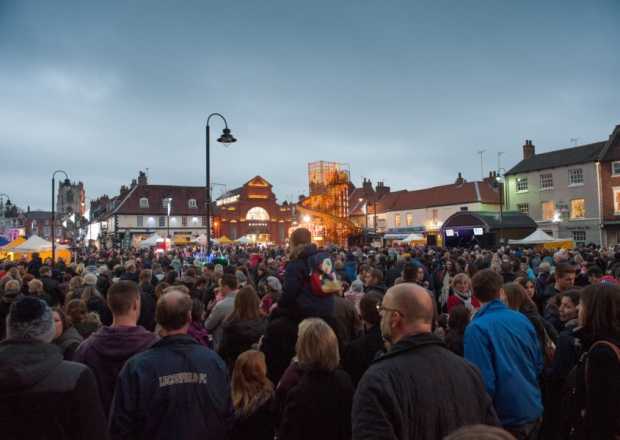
{"x":25,"y":363}
{"x":303,"y":251}
{"x":121,"y":342}
{"x":410,"y":343}
{"x":68,"y":337}
{"x":11,"y":296}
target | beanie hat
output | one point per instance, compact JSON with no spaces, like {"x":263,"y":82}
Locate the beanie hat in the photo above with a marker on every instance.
{"x":274,"y":284}
{"x":357,"y":286}
{"x":30,"y":318}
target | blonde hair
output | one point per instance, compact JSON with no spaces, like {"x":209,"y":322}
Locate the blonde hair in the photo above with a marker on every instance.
{"x":317,"y":346}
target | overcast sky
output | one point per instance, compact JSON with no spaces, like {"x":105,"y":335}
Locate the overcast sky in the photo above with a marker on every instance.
{"x":406,"y":92}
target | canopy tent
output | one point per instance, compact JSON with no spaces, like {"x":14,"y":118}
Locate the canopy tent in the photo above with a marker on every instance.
{"x":224,"y":240}
{"x":3,"y":241}
{"x":243,"y":240}
{"x":199,"y":239}
{"x":542,"y":240}
{"x":413,"y":238}
{"x":180,"y":240}
{"x":43,"y":247}
{"x":151,"y":241}
{"x":13,"y":244}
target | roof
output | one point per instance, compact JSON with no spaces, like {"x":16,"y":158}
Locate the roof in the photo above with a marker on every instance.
{"x":156,"y":195}
{"x":559,"y":158}
{"x":41,"y":215}
{"x":612,"y":147}
{"x":511,"y":219}
{"x":446,"y":195}
{"x":232,"y":192}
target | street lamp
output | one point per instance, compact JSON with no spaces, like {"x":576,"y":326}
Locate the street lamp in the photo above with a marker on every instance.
{"x":6,"y":205}
{"x":89,"y":216}
{"x":169,"y":203}
{"x":226,"y":138}
{"x":54,"y":214}
{"x":498,"y":185}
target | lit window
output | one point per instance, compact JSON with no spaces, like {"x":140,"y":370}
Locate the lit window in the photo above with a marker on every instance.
{"x":577,"y":208}
{"x":435,"y":215}
{"x":548,"y":210}
{"x":144,"y":202}
{"x":524,"y":208}
{"x":192,"y":203}
{"x":397,"y":220}
{"x":257,"y":213}
{"x":409,"y":219}
{"x":522,"y":184}
{"x":546,"y":181}
{"x":575,"y":177}
{"x":139,"y":221}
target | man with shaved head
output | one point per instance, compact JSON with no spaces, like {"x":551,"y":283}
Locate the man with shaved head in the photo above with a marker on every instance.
{"x":177,"y":389}
{"x":418,"y":389}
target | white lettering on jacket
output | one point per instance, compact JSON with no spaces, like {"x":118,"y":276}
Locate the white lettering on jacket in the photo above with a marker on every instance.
{"x":179,"y":378}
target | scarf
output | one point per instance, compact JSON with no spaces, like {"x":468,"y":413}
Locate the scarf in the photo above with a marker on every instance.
{"x":465,"y":298}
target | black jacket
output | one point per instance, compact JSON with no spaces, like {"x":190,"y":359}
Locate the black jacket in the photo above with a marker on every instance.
{"x":44,"y":397}
{"x":175,"y":390}
{"x":359,"y":354}
{"x":239,"y":337}
{"x":420,"y":390}
{"x":392,"y":274}
{"x":52,"y":288}
{"x":319,"y":407}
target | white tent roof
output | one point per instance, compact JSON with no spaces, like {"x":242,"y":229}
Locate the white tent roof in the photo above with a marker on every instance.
{"x":538,"y":236}
{"x":151,"y":241}
{"x":37,"y":244}
{"x":243,"y":240}
{"x":412,"y":237}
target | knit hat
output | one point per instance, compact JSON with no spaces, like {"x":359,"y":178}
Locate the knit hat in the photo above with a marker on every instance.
{"x":30,"y":318}
{"x":357,"y":286}
{"x":274,"y":284}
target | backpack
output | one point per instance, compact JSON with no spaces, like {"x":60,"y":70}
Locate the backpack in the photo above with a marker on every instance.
{"x":323,"y":277}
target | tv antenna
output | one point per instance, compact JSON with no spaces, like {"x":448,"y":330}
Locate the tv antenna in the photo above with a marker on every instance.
{"x":574,"y":141}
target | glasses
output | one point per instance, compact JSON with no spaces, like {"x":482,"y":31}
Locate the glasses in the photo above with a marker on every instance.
{"x":380,"y":309}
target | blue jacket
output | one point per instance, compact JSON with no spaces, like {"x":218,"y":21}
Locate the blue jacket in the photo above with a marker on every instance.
{"x":503,"y":345}
{"x":176,"y":390}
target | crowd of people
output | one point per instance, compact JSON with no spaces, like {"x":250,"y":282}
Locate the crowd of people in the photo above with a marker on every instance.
{"x":414,"y":343}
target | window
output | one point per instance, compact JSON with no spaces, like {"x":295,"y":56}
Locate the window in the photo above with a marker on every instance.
{"x":579,"y":235}
{"x":522,"y":184}
{"x":546,"y":181}
{"x":46,"y":231}
{"x":615,"y":168}
{"x":192,"y":203}
{"x":577,"y":208}
{"x":184,"y":221}
{"x":524,"y":208}
{"x":233,"y":232}
{"x":409,"y":219}
{"x":162,"y":222}
{"x":167,"y":202}
{"x":34,"y":223}
{"x":575,"y":177}
{"x":204,"y":221}
{"x":47,"y":222}
{"x":281,"y":234}
{"x":435,"y":216}
{"x":139,"y":221}
{"x":257,"y":213}
{"x":397,"y":220}
{"x":34,"y":230}
{"x":58,"y":232}
{"x":144,"y":202}
{"x":547,"y":210}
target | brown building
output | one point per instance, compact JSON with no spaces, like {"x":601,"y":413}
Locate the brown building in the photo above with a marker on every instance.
{"x":252,"y":211}
{"x":609,"y":172}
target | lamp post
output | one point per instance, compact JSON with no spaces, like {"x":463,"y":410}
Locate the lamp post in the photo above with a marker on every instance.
{"x":226,"y":138}
{"x":498,"y":184}
{"x":54,"y":214}
{"x":169,"y":203}
{"x":89,"y":214}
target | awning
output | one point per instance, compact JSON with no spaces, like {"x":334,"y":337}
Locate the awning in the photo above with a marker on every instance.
{"x":395,"y":236}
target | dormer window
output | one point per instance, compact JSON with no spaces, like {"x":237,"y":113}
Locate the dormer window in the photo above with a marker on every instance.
{"x":144,"y":202}
{"x":192,"y":203}
{"x":166,"y":202}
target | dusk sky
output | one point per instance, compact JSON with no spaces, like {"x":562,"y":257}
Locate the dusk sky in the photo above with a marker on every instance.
{"x":404,"y":92}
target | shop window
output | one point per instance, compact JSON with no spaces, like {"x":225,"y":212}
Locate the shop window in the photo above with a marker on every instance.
{"x":409,"y":219}
{"x":548,"y":210}
{"x":577,"y":208}
{"x":397,"y":220}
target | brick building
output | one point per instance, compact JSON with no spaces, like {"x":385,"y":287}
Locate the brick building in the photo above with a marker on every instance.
{"x":609,"y":178}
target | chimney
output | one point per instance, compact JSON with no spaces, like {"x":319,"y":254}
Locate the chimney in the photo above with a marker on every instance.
{"x":142,"y":180}
{"x":528,"y":150}
{"x":382,"y":190}
{"x":459,"y":181}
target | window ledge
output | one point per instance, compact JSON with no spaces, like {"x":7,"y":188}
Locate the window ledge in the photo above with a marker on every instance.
{"x":575,"y":184}
{"x":546,"y":189}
